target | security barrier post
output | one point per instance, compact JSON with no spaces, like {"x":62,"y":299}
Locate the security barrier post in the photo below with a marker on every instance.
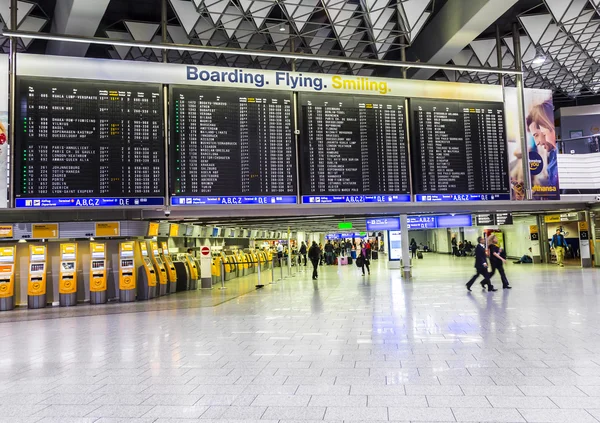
{"x":223,"y":275}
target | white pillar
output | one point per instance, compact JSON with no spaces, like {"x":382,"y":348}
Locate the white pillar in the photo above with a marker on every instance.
{"x":405,"y":247}
{"x":584,"y":242}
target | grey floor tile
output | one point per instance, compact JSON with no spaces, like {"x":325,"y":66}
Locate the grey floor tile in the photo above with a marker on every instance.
{"x":396,"y":401}
{"x":67,"y":411}
{"x":548,"y":391}
{"x":172,"y":399}
{"x":455,"y":401}
{"x":415,"y":414}
{"x":557,"y":416}
{"x":294,"y":413}
{"x":323,"y":390}
{"x":521,"y":402}
{"x":508,"y":415}
{"x":282,"y":400}
{"x":120,"y":411}
{"x":244,"y":413}
{"x":356,"y":413}
{"x":174,"y":411}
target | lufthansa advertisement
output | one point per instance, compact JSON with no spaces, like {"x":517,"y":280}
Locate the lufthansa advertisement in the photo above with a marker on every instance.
{"x":542,"y":150}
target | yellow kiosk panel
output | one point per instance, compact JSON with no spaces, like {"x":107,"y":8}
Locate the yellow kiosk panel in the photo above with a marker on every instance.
{"x":45,"y":231}
{"x":107,"y":229}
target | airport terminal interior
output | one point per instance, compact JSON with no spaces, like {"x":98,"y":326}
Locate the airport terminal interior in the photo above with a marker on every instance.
{"x":299,"y":211}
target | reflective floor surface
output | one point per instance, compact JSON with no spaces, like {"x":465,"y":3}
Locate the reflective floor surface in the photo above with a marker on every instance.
{"x":348,"y":349}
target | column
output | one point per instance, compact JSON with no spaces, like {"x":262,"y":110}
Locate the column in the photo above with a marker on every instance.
{"x":585,"y":250}
{"x":406,"y":272}
{"x":536,"y":236}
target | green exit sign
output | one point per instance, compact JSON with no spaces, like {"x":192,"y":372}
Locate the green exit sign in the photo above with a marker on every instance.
{"x":345,"y":225}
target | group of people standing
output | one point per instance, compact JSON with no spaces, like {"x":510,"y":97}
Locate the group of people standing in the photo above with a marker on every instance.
{"x":316,"y":252}
{"x":497,"y":260}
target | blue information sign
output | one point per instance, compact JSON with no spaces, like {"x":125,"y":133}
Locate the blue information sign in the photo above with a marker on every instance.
{"x":383,"y":224}
{"x":434,"y":198}
{"x":434,"y":222}
{"x":232,"y":200}
{"x":332,"y":199}
{"x":40,"y":203}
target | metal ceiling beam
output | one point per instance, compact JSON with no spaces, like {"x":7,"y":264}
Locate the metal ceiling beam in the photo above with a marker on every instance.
{"x":453,"y":28}
{"x":75,"y":17}
{"x":242,"y":52}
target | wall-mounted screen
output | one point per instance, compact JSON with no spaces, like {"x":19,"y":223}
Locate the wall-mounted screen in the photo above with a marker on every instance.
{"x":354,"y":149}
{"x":88,"y":144}
{"x":232,"y":147}
{"x":459,"y":151}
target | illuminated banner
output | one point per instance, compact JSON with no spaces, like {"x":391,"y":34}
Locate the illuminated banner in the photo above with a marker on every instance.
{"x":169,"y":73}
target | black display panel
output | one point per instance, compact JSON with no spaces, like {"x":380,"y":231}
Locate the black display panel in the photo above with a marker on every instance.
{"x":353,"y":145}
{"x":232,"y":143}
{"x":458,"y":147}
{"x":93,"y":140}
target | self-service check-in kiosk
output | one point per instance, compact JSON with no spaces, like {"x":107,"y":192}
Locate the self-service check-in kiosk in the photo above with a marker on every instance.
{"x":160,"y":268}
{"x":36,"y":278}
{"x":98,"y":274}
{"x":146,"y":276}
{"x":67,"y":282}
{"x":127,"y":274}
{"x":171,"y":271}
{"x":191,"y":262}
{"x":183,"y":273}
{"x":7,"y":278}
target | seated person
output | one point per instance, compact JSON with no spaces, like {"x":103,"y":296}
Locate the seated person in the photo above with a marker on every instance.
{"x":525,"y":259}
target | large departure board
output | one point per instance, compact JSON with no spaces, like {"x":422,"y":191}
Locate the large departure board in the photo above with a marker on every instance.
{"x":232,"y":147}
{"x":87,"y":144}
{"x":354,"y":149}
{"x":459,"y":151}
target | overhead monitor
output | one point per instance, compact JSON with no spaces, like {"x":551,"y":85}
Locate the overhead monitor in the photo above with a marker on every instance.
{"x":232,"y":147}
{"x":88,"y":144}
{"x":353,"y":149}
{"x":459,"y":151}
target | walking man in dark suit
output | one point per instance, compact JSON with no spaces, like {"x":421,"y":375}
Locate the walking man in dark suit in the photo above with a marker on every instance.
{"x":481,"y":265}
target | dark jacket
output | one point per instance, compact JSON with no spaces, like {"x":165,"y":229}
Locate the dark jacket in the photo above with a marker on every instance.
{"x":558,"y":241}
{"x":480,"y":257}
{"x":314,"y":252}
{"x":303,"y":249}
{"x":329,"y":248}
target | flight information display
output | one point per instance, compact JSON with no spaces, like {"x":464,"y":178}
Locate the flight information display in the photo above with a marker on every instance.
{"x":232,"y":147}
{"x":88,"y":144}
{"x":459,"y":151}
{"x":354,"y":149}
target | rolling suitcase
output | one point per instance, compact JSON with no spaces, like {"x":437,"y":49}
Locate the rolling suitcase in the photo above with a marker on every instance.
{"x":419,"y":255}
{"x":343,"y":261}
{"x":349,"y":260}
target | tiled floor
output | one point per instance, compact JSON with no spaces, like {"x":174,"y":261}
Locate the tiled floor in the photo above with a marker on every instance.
{"x":357,"y":348}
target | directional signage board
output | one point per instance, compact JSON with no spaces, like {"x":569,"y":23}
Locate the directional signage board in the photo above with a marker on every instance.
{"x":383,"y":224}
